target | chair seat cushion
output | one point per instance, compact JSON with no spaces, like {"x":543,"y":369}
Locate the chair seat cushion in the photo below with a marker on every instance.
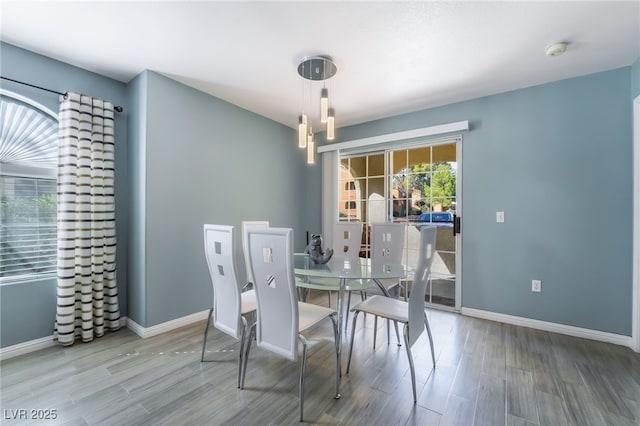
{"x":249,"y":302}
{"x":387,"y":307}
{"x":311,"y":314}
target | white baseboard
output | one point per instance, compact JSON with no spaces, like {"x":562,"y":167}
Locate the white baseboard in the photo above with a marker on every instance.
{"x":26,"y":347}
{"x":35,"y":345}
{"x":569,"y":330}
{"x":145,"y":332}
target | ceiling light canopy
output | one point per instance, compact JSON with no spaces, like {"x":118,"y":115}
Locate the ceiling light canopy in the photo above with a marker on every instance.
{"x":312,"y":69}
{"x":317,"y":68}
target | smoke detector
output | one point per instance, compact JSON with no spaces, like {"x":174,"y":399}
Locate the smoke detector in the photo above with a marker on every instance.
{"x":556,"y":49}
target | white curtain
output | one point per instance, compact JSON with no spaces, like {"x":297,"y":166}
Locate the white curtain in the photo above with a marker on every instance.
{"x":87,"y":291}
{"x":330,"y":173}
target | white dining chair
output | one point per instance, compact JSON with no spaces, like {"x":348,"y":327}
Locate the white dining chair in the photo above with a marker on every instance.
{"x":246,"y":224}
{"x":281,"y":318}
{"x":412,"y":313}
{"x":347,"y":239}
{"x":230,"y":306}
{"x":387,"y":245}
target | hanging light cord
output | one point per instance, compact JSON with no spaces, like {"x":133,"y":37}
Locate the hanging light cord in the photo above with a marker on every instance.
{"x":118,"y":108}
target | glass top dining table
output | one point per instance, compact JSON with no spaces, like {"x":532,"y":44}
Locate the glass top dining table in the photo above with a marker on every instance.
{"x":343,"y":269}
{"x":348,"y":268}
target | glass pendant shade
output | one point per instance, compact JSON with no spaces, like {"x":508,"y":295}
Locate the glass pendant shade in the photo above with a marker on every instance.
{"x":302,"y":131}
{"x":324,"y":105}
{"x":331,"y":125}
{"x":311,"y":151}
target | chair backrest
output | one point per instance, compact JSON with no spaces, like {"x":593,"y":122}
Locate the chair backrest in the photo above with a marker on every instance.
{"x":245,"y":224}
{"x":219,"y":248}
{"x":387,"y":241}
{"x":271,"y":260}
{"x":421,"y":276}
{"x":347,"y":239}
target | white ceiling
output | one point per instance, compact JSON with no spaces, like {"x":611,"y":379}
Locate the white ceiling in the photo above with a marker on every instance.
{"x":392,"y":57}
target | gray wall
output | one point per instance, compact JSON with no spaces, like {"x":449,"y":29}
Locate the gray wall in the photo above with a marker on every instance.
{"x":557,"y":159}
{"x":28,"y":309}
{"x":137,"y":136}
{"x":207,"y":161}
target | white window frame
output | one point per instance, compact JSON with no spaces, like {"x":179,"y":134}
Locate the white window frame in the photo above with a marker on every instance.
{"x":331,"y":162}
{"x":25,"y":171}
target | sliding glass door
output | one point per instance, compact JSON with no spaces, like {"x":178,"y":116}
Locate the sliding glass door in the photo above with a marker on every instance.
{"x":415,"y":185}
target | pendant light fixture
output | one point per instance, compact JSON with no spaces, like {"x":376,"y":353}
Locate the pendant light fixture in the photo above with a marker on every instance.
{"x":311,"y":148}
{"x":302,"y":131}
{"x":316,"y":68}
{"x":331,"y":125}
{"x":324,"y":105}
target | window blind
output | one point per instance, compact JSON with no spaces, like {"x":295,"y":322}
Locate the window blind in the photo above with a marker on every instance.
{"x":27,"y":226}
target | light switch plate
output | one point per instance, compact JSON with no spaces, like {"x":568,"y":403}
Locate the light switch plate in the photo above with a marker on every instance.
{"x":500,"y":217}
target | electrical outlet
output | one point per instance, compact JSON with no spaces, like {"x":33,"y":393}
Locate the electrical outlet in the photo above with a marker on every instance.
{"x":499,"y":217}
{"x":536,"y":286}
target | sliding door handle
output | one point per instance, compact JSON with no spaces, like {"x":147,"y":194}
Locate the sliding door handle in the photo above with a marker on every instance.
{"x":456,"y":224}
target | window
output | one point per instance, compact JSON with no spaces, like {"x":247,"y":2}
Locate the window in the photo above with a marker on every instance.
{"x":28,"y":156}
{"x":28,"y":226}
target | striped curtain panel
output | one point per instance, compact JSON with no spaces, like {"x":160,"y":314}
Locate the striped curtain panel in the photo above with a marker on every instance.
{"x":87,"y":291}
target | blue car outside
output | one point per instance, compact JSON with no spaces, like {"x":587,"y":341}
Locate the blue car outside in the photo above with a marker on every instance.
{"x":437,"y":218}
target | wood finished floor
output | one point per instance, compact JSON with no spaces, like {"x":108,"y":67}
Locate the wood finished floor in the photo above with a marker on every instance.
{"x":487,"y":374}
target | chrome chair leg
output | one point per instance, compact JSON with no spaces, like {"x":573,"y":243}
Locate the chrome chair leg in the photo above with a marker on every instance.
{"x":388,"y":332}
{"x":353,"y":333}
{"x":395,"y":324}
{"x":245,"y":357}
{"x":411,"y":366}
{"x":242,"y":354}
{"x":375,"y":330}
{"x":303,"y":366}
{"x":346,"y":318}
{"x":336,"y":330}
{"x":426,"y":323}
{"x":206,"y":333}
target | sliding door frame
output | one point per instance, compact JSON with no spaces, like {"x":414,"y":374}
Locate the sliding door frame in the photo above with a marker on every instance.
{"x":432,"y":142}
{"x":635,"y":327}
{"x":424,"y":136}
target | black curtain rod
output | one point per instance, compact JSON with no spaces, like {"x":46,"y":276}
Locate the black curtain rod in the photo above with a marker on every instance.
{"x":118,"y":108}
